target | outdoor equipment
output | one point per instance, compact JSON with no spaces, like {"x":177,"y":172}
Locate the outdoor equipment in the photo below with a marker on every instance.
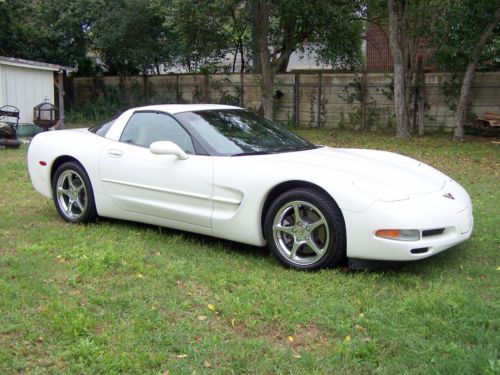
{"x":487,"y":125}
{"x":45,"y":115}
{"x":9,"y":121}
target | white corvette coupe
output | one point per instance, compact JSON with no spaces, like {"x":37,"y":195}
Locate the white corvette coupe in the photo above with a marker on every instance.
{"x":225,"y":172}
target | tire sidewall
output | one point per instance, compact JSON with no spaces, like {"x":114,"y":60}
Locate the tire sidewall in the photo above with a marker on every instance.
{"x":89,"y":213}
{"x":335,"y":252}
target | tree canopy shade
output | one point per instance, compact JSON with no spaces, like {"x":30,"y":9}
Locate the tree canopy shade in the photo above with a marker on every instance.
{"x":137,"y":36}
{"x":199,"y":32}
{"x":47,"y":30}
{"x":333,"y":28}
{"x":461,"y":34}
{"x":466,"y":33}
{"x":404,"y":20}
{"x":131,"y":36}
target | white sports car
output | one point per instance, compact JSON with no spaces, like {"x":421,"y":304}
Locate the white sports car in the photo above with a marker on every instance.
{"x":228,"y":173}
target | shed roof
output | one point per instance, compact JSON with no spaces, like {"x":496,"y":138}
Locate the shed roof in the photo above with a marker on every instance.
{"x":4,"y":60}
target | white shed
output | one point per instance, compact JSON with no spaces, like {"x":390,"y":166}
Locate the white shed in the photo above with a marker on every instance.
{"x":24,"y":84}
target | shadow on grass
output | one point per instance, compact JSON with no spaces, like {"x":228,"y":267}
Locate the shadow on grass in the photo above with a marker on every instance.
{"x":236,"y":247}
{"x":439,"y":262}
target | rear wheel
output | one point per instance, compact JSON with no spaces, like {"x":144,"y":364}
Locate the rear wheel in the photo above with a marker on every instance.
{"x":305,"y":230}
{"x":73,"y":195}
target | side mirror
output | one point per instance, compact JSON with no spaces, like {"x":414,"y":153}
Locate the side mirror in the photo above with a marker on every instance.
{"x":167,"y":148}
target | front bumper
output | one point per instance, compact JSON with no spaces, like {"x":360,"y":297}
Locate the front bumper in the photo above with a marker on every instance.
{"x":423,"y":212}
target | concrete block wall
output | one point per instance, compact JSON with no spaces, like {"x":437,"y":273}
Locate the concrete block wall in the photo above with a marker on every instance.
{"x":326,"y":99}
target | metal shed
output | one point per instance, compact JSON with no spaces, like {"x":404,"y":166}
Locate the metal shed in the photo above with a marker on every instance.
{"x":25,"y":84}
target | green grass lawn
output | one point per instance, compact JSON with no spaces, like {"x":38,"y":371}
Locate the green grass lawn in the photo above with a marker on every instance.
{"x":122,"y":297}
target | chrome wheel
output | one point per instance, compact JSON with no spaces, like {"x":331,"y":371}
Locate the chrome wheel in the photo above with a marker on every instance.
{"x":72,"y":197}
{"x":301,"y":233}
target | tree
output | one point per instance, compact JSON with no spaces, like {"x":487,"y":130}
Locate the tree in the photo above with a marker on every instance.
{"x":464,"y":32}
{"x":44,"y":30}
{"x":10,"y":43}
{"x":236,"y":26}
{"x":209,"y":31}
{"x":405,"y":34}
{"x":130,"y":36}
{"x":397,"y":31}
{"x":195,"y":30}
{"x":331,"y":27}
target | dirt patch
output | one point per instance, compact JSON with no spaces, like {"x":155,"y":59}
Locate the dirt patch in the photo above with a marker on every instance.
{"x":304,"y":337}
{"x":193,"y":288}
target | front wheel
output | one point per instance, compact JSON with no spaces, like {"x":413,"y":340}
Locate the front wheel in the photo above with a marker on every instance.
{"x":73,"y":195}
{"x":304,"y":228}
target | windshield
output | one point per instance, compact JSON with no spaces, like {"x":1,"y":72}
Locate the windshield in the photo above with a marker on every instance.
{"x":102,"y":128}
{"x":238,"y":132}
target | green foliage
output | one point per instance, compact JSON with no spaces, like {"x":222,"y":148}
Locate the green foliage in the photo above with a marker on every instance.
{"x":10,"y":40}
{"x":455,"y":30}
{"x":119,"y":297}
{"x":333,"y":29}
{"x":223,"y":91}
{"x":451,"y":91}
{"x":353,"y":95}
{"x":104,"y":107}
{"x":112,"y":100}
{"x":205,"y":30}
{"x":46,"y":30}
{"x":312,"y":112}
{"x":135,"y":36}
{"x":130,"y":36}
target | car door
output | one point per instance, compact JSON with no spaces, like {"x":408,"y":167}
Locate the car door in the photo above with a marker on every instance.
{"x":164,"y":186}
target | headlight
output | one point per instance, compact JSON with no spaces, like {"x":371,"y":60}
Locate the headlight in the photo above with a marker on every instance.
{"x":380,"y":191}
{"x":399,"y":234}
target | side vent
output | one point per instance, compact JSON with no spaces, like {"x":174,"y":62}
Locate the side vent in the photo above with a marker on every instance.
{"x":421,"y":250}
{"x":432,"y":232}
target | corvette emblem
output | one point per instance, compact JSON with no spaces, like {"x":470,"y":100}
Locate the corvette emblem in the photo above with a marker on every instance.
{"x":449,"y":196}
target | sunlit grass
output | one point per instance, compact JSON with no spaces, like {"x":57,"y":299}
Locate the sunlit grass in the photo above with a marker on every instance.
{"x":122,"y":297}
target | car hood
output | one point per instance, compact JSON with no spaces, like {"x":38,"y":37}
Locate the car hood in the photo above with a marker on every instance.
{"x":373,"y":170}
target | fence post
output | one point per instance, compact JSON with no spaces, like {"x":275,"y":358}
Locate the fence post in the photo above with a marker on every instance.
{"x":242,"y":89}
{"x":178,"y":88}
{"x":363,"y":101}
{"x":145,"y":87}
{"x":206,"y":94}
{"x":60,"y":91}
{"x":296,"y":100}
{"x":320,"y":83}
{"x":421,"y":96}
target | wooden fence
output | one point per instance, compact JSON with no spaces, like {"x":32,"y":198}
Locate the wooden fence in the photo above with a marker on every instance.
{"x":307,"y":99}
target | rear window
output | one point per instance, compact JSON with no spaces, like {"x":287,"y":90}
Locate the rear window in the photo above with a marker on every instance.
{"x":102,"y":128}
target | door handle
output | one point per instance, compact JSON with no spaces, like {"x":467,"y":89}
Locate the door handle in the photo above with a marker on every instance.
{"x":115,"y":153}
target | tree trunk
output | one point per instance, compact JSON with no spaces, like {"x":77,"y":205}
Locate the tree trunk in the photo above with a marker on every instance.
{"x":255,"y":56}
{"x":463,"y":102}
{"x":235,"y":58}
{"x":262,"y":10}
{"x":283,"y":61}
{"x":396,"y":37}
{"x":242,"y":55}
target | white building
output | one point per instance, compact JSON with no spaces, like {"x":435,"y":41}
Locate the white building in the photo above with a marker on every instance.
{"x":24,"y":84}
{"x":307,"y":60}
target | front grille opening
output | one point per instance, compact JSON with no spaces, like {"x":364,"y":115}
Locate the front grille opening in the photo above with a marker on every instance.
{"x":421,"y":250}
{"x":432,"y":232}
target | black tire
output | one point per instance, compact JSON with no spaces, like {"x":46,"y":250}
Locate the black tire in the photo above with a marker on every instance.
{"x":317,"y":240}
{"x":73,"y":194}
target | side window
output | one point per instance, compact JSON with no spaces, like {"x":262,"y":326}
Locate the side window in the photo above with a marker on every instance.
{"x":144,"y":128}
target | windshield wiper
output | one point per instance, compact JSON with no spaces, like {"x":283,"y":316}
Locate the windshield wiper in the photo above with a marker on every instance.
{"x":254,"y":153}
